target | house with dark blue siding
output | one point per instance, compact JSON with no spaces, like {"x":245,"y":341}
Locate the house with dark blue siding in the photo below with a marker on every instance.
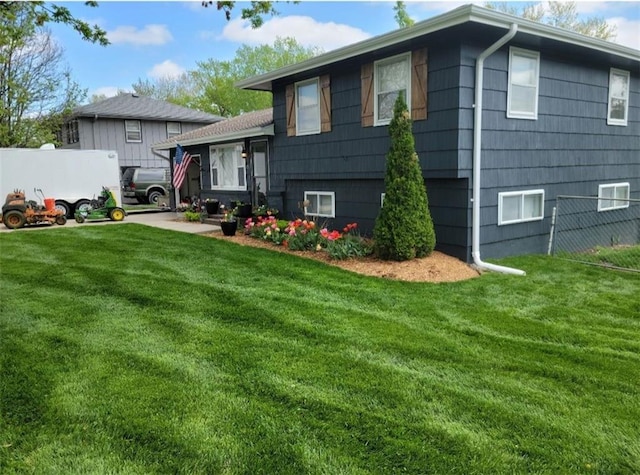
{"x":507,"y":115}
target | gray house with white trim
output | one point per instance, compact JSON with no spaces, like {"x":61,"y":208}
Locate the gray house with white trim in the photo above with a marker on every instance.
{"x":130,"y":124}
{"x":507,"y":115}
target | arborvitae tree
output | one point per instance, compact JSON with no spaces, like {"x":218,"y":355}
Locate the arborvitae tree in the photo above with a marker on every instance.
{"x":404,"y":228}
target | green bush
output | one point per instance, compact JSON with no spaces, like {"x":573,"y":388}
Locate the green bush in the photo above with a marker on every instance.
{"x":403,"y":229}
{"x":191,"y":215}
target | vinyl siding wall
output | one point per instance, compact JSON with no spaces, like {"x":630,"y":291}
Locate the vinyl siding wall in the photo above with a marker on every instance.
{"x":568,"y":150}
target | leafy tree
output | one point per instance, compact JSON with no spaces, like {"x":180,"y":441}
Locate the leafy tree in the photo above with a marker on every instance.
{"x":211,"y":87}
{"x":42,"y":13}
{"x":253,"y":13}
{"x":403,"y":229}
{"x":560,"y":14}
{"x":36,"y":89}
{"x":402,"y":17}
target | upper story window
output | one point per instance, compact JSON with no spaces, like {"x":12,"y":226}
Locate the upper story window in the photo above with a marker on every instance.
{"x":173,"y":129}
{"x":618,"y":97}
{"x":392,"y":77}
{"x":72,"y":133}
{"x":520,"y":206}
{"x":613,"y":196}
{"x":522,"y":94}
{"x":227,"y":168}
{"x":307,"y":107}
{"x":133,"y":130}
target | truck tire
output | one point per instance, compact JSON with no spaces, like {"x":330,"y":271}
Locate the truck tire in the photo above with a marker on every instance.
{"x":154,"y":196}
{"x":64,"y":207}
{"x":14,"y":219}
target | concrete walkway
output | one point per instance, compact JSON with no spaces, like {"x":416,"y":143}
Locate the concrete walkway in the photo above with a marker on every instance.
{"x":156,"y":218}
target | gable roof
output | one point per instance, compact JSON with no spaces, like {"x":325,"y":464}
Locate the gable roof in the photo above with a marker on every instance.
{"x":250,"y":124}
{"x":458,"y":16}
{"x":132,"y":106}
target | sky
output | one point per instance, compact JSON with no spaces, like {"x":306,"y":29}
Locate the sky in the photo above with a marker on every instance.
{"x":151,"y":39}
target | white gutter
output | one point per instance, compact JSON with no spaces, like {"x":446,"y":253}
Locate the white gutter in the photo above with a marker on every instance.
{"x":477,"y":156}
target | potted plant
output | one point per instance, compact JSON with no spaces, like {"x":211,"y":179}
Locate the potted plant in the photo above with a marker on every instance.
{"x":229,"y":224}
{"x":212,"y":206}
{"x":243,"y":210}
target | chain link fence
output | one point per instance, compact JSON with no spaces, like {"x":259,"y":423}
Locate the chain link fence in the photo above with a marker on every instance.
{"x":597,"y":231}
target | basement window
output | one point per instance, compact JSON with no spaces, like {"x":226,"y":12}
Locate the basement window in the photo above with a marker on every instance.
{"x":520,"y":206}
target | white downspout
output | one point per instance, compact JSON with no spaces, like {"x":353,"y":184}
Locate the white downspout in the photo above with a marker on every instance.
{"x":477,"y":155}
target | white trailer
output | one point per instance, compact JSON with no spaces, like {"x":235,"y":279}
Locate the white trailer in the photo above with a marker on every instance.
{"x":72,"y":177}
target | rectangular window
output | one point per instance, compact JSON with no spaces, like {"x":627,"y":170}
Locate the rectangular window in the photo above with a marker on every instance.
{"x":618,"y":97}
{"x":133,"y":130}
{"x":520,"y":206}
{"x":522,"y":94}
{"x":227,"y":168}
{"x":320,"y":203}
{"x":392,"y":77}
{"x":72,"y":132}
{"x":613,"y":196}
{"x":173,"y":129}
{"x":307,"y":107}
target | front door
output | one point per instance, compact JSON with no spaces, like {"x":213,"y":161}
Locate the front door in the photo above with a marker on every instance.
{"x":259,"y":155}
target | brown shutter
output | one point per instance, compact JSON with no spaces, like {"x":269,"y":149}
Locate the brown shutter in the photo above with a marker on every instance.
{"x":291,"y":110}
{"x":325,"y":103}
{"x":419,"y":84}
{"x":366,"y":94}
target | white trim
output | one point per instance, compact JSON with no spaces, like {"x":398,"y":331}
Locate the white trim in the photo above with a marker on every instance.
{"x":523,"y":53}
{"x":622,"y":122}
{"x":332,"y":194}
{"x":381,"y":63}
{"x":220,"y":139}
{"x":522,"y":194}
{"x":316,"y":81}
{"x":460,"y":15}
{"x":237,"y":161}
{"x":615,"y":199}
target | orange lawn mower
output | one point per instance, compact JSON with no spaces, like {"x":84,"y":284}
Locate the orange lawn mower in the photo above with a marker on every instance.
{"x":18,"y":211}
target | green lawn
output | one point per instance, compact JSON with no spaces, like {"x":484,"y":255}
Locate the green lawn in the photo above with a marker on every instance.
{"x":131,"y":350}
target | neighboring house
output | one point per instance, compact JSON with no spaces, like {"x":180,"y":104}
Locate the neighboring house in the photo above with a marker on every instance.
{"x":130,"y":124}
{"x":230,"y":158}
{"x":555,"y":113}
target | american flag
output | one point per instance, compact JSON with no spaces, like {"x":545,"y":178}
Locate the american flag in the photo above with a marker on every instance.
{"x":181,"y":162}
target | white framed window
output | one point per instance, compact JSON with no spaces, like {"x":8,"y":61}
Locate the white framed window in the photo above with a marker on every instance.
{"x":227,"y":167}
{"x":320,"y":203}
{"x":520,"y":206}
{"x":524,"y":76}
{"x":392,"y":77}
{"x":173,"y":129}
{"x":618,"y":107}
{"x":613,"y":196}
{"x":133,"y":130}
{"x":308,"y":107}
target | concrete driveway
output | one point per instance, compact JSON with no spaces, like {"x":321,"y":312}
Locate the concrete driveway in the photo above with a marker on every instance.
{"x":156,"y":218}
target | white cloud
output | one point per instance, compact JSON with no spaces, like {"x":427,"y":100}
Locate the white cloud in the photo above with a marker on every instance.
{"x":149,"y":35}
{"x":307,"y":31}
{"x":166,"y":69}
{"x":627,"y":31}
{"x":107,"y":91}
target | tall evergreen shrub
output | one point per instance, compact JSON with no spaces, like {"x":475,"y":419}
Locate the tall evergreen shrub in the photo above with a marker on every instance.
{"x":403,"y":229}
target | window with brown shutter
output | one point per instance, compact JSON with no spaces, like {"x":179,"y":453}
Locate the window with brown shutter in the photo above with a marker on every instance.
{"x":308,"y":106}
{"x":384,"y":90}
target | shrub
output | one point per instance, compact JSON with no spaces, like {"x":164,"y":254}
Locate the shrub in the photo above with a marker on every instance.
{"x":192,"y":215}
{"x":403,"y":229}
